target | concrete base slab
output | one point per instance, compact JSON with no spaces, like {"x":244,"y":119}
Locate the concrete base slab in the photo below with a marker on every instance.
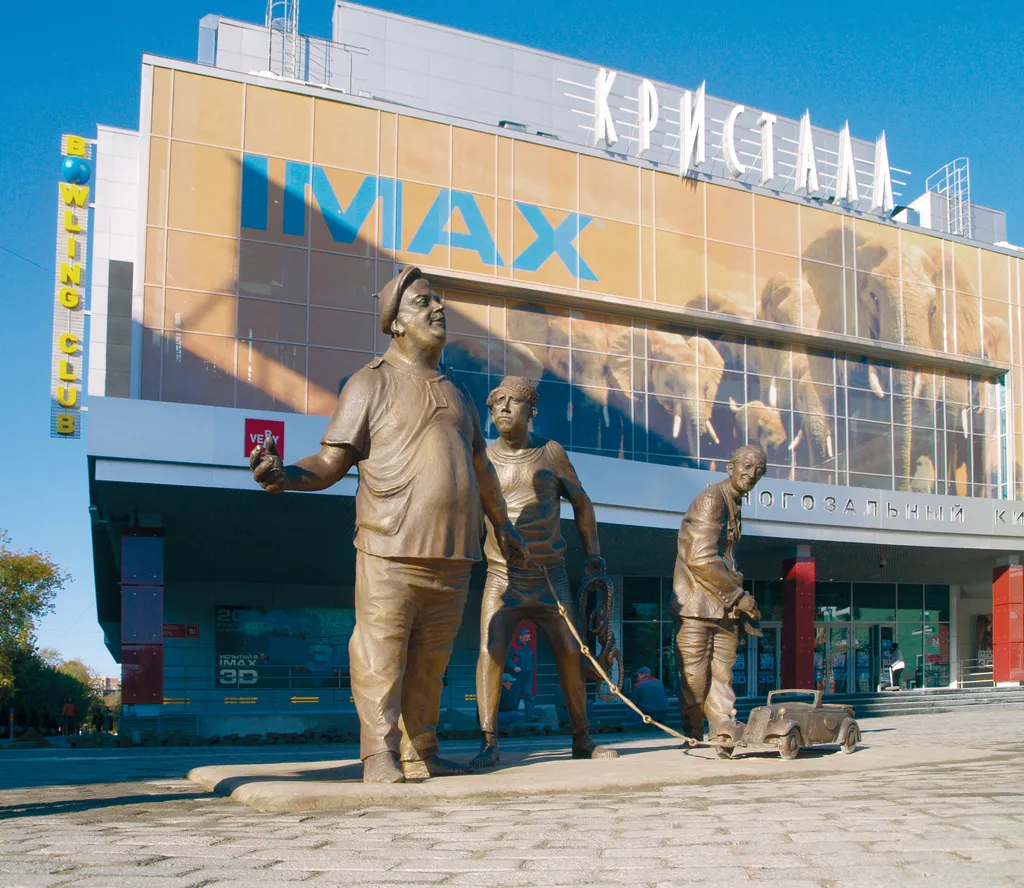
{"x":646,"y":764}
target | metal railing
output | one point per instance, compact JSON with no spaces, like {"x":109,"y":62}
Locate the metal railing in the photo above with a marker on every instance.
{"x":976,"y":673}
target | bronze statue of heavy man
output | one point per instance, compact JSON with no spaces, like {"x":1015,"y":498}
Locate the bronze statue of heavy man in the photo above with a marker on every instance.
{"x":535,"y":474}
{"x":424,"y":483}
{"x":709,"y":603}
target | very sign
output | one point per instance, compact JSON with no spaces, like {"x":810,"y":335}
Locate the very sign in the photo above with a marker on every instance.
{"x":257,"y":431}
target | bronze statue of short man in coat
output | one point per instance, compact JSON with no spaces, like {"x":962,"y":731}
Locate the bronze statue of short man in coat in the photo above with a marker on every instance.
{"x":535,"y":474}
{"x":709,"y":602}
{"x":424,"y":484}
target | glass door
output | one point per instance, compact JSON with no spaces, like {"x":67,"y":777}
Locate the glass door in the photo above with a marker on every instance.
{"x":768,"y":648}
{"x":831,"y":659}
{"x":865,"y":659}
{"x":883,"y":635}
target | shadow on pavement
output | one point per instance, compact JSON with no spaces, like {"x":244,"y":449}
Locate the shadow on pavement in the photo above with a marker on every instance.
{"x":77,"y":806}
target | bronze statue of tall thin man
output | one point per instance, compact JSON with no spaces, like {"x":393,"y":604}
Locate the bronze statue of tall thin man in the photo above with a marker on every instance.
{"x":535,"y":474}
{"x":424,"y":484}
{"x":709,"y":602}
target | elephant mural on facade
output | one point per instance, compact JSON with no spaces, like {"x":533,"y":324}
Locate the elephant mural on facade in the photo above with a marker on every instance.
{"x":682,"y":388}
{"x":763,"y":423}
{"x":786,"y":300}
{"x":915,"y":313}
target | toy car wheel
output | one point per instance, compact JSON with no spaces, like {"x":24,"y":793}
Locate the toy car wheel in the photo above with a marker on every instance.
{"x":789,"y":744}
{"x":853,"y":737}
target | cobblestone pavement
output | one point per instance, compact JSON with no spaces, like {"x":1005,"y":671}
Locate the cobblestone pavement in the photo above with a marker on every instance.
{"x":128,"y":819}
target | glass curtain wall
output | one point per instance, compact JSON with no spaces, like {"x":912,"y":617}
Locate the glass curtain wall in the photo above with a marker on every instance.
{"x":273,"y":218}
{"x":858,"y":625}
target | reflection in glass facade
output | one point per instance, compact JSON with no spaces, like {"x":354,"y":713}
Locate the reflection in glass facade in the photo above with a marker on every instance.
{"x":635,"y":389}
{"x":857,"y":626}
{"x":261,"y":265}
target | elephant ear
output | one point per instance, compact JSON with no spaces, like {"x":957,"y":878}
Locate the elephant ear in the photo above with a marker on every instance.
{"x":871,"y":253}
{"x":826,"y":247}
{"x":996,"y":341}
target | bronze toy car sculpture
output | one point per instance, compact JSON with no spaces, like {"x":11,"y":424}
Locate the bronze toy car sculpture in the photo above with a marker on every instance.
{"x":792,"y":725}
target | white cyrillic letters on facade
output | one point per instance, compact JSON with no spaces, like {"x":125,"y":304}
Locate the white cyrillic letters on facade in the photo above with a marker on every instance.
{"x":806,"y":166}
{"x":767,"y":123}
{"x":691,"y":130}
{"x":846,"y":175}
{"x":881,"y":191}
{"x":604,"y":126}
{"x":648,"y":113}
{"x":732,"y":158}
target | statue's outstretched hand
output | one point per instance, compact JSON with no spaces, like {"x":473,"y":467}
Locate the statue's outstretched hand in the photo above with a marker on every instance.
{"x":268,"y":467}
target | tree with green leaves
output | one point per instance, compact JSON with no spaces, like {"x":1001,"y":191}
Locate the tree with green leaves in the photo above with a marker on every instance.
{"x":29,"y":583}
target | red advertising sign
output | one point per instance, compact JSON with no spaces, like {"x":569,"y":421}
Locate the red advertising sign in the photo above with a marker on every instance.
{"x":257,"y":430}
{"x":181,"y":630}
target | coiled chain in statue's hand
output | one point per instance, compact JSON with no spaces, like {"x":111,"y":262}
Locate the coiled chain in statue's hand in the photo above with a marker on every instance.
{"x":599,"y":625}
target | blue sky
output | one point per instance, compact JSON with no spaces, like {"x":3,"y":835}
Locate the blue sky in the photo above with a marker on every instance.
{"x":940,"y":80}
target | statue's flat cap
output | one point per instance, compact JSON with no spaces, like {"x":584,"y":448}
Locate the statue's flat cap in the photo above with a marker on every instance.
{"x":391,"y":295}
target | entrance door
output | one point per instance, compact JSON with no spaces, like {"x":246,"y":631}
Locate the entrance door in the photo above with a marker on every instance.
{"x":865,"y":659}
{"x":831,"y":658}
{"x":767,"y":678}
{"x":883,"y":635}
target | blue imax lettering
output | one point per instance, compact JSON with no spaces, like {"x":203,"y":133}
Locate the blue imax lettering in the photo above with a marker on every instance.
{"x":344,"y":223}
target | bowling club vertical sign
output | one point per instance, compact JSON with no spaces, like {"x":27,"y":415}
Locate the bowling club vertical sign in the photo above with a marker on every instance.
{"x":68,"y":349}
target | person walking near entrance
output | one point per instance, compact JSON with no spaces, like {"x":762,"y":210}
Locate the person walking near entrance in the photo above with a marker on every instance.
{"x":709,"y":603}
{"x":535,"y":474}
{"x":522,"y":663}
{"x":898,"y":665}
{"x":425,"y":483}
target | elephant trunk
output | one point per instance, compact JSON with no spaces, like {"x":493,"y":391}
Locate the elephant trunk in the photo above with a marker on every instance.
{"x":819,"y":432}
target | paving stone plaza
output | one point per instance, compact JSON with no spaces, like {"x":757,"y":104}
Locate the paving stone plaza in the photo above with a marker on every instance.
{"x":130,"y":819}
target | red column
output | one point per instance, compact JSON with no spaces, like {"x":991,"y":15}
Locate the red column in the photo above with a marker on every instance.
{"x":1008,"y":623}
{"x":798,"y":576}
{"x":142,"y":616}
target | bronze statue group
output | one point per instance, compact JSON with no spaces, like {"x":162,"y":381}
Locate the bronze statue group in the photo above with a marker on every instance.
{"x":427,"y":480}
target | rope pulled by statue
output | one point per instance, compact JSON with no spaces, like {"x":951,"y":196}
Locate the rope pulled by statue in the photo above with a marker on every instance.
{"x":600,"y":624}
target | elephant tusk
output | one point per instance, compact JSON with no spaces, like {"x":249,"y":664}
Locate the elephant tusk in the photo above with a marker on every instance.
{"x":828,"y":446}
{"x":876,"y":385}
{"x":796,"y":441}
{"x":963,"y":418}
{"x":677,"y":424}
{"x":773,"y":394}
{"x":607,"y":418}
{"x":711,"y":431}
{"x":918,"y":384}
{"x":734,"y":406}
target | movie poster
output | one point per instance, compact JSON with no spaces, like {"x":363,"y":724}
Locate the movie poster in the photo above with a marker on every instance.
{"x":283,"y":647}
{"x":983,"y":638}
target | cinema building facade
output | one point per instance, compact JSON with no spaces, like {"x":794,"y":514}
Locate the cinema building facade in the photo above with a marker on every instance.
{"x":677,"y":276}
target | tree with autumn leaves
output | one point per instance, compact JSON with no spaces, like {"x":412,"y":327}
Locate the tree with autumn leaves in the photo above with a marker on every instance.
{"x":35,"y":682}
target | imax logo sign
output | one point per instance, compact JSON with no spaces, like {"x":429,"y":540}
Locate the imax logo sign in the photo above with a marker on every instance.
{"x":472,"y":230}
